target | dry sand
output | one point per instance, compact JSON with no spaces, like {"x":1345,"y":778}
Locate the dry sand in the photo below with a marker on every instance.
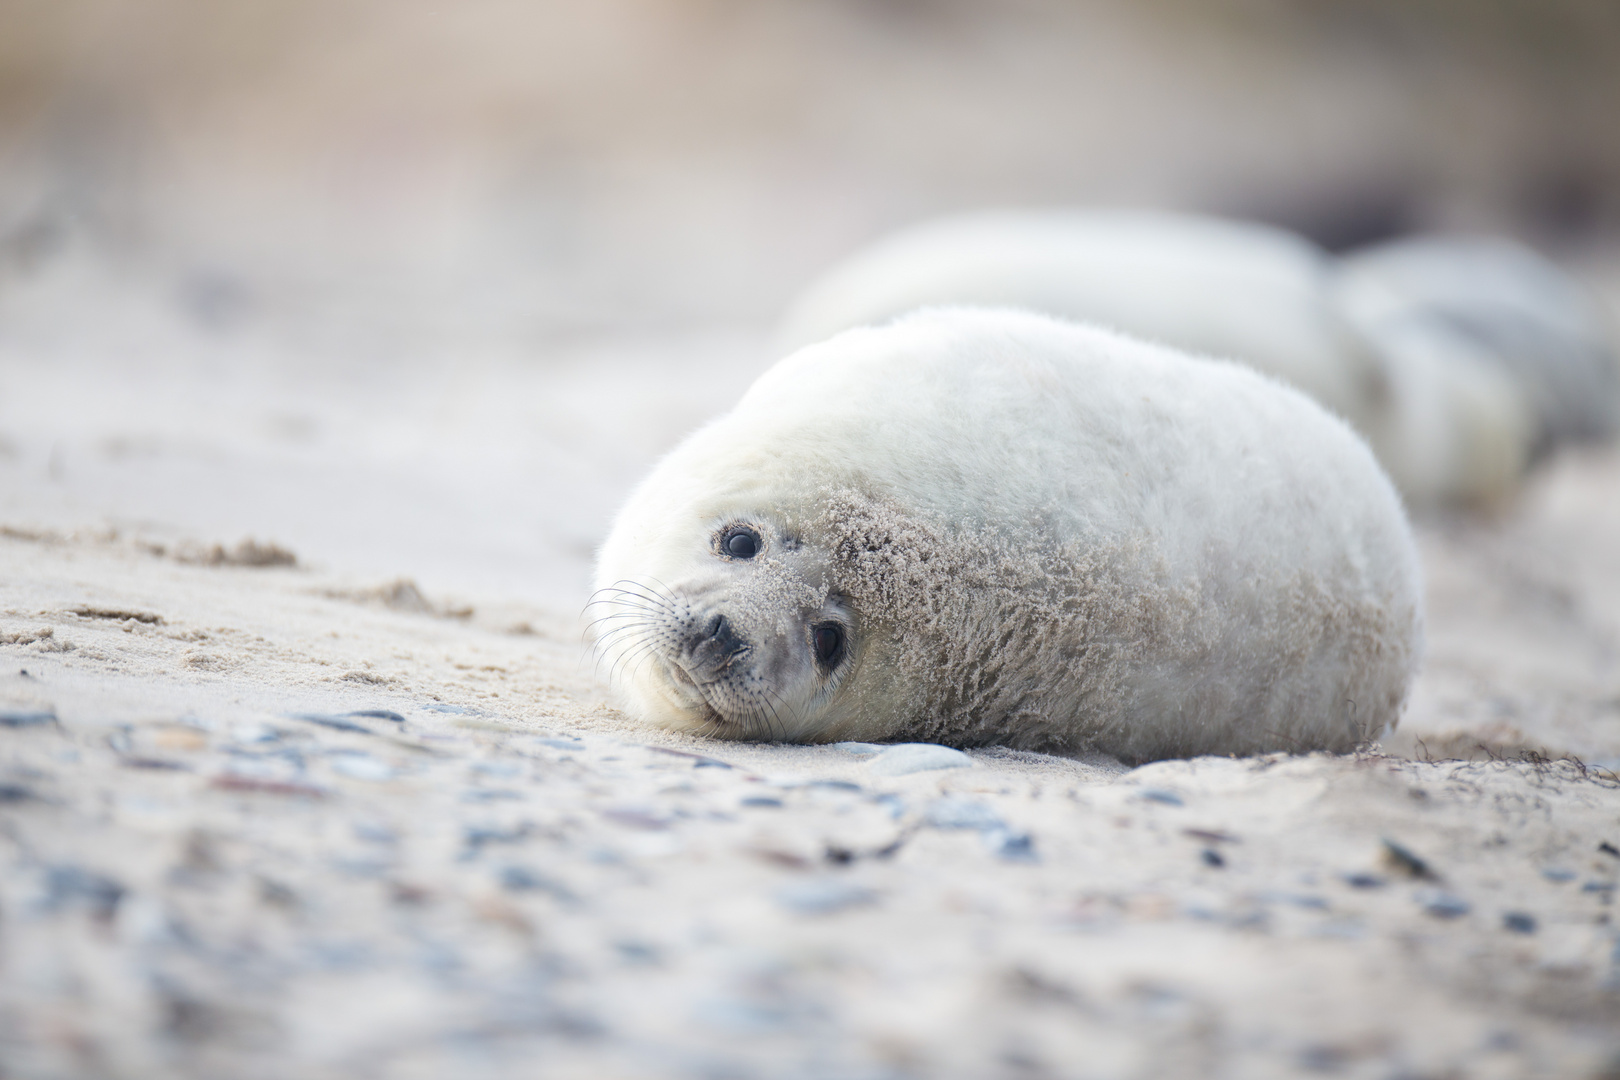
{"x":373,"y":815}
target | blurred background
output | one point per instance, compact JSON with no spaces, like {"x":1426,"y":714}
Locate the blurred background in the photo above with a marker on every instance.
{"x":424,"y":286}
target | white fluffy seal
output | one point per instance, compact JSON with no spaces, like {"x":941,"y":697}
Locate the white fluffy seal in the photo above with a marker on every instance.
{"x":1496,"y":357}
{"x":1230,"y":289}
{"x":1461,"y":361}
{"x":978,"y":527}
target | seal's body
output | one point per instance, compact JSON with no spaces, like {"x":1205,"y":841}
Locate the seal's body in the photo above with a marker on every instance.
{"x":980,"y":527}
{"x":1461,"y":361}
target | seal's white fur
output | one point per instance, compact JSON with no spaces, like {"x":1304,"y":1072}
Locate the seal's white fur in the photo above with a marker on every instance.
{"x":1036,"y":534}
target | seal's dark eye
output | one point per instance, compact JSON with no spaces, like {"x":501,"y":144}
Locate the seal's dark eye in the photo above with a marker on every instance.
{"x":828,"y":639}
{"x":741,"y":542}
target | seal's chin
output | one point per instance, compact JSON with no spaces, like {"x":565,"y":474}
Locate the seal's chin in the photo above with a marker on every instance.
{"x":691,"y":703}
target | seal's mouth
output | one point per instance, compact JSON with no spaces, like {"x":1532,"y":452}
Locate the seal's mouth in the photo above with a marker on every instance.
{"x":693,"y":695}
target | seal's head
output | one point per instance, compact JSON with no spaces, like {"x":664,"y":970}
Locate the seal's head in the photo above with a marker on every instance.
{"x":719,"y":609}
{"x":734,"y":631}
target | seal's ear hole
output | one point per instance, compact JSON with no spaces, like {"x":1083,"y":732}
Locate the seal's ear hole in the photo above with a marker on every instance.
{"x":741,"y":541}
{"x":828,"y":641}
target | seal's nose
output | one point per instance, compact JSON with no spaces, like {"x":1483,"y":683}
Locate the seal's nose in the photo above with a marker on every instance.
{"x":715,"y":644}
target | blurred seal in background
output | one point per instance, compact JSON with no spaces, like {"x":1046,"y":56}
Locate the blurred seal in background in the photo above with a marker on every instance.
{"x":1462,"y":361}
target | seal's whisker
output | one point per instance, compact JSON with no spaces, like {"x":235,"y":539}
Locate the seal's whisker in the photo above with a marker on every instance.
{"x":648,"y":653}
{"x":622,"y":608}
{"x":621,"y":638}
{"x":639,"y":621}
{"x":637,"y":654}
{"x":642,"y":590}
{"x":595,"y":633}
{"x":641,"y":615}
{"x":607,"y":647}
{"x":621,"y":598}
{"x":775,"y":728}
{"x":642,"y":603}
{"x":797,"y":719}
{"x":602,"y":654}
{"x":668,"y":592}
{"x":640,"y":594}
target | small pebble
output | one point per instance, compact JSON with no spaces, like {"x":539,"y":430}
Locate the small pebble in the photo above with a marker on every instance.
{"x":476,"y":836}
{"x":699,"y":761}
{"x":156,"y":764}
{"x":1518,"y":922}
{"x":1305,"y":901}
{"x":1443,"y":905}
{"x":637,"y":817}
{"x":638,"y":953}
{"x":1557,"y":873}
{"x":1011,"y":846}
{"x":1399,"y":858}
{"x":27,"y":718}
{"x":234,"y":781}
{"x":336,"y":723}
{"x":894,"y":803}
{"x":1364,"y":881}
{"x":834,"y":785}
{"x":823,"y":896}
{"x":1212,"y":857}
{"x":761,"y":800}
{"x":905,"y":758}
{"x":75,"y":886}
{"x":955,"y":812}
{"x":522,"y":879}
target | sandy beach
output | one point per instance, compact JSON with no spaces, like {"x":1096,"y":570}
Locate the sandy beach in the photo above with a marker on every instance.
{"x":331,"y":337}
{"x":306,"y":770}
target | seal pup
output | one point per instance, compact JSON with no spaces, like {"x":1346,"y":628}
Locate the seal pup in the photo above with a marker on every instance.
{"x":1493,"y":320}
{"x":1215,"y":287}
{"x":1461,"y":361}
{"x":991,"y":527}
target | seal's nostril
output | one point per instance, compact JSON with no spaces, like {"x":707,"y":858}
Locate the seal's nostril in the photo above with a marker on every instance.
{"x":724,"y":636}
{"x":717,"y":641}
